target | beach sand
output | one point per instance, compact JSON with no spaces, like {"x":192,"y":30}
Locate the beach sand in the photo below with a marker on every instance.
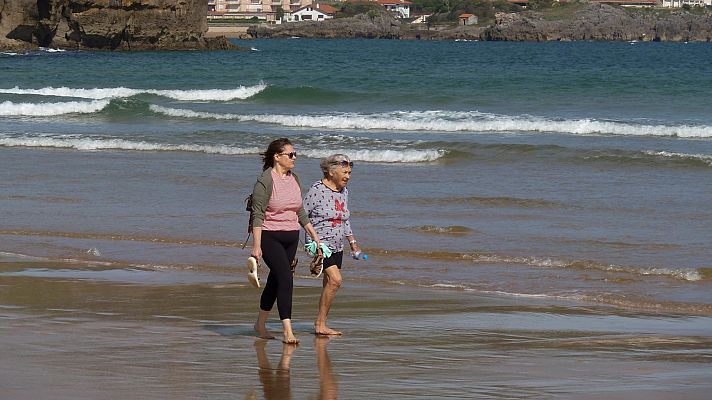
{"x":229,"y":31}
{"x":87,"y":331}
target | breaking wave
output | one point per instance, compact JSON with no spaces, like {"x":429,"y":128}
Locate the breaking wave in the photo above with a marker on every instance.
{"x":8,"y":108}
{"x":451,"y":121}
{"x":96,"y":144}
{"x":239,"y":93}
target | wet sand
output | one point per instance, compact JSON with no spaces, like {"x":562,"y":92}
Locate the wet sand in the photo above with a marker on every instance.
{"x":64,"y":336}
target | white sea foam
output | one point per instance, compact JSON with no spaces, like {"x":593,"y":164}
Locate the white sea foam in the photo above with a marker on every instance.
{"x":701,"y":157}
{"x":681,"y":273}
{"x":386,"y":156}
{"x":8,"y":108}
{"x":51,"y":50}
{"x":181,"y":113}
{"x":452,"y":121}
{"x":242,"y":92}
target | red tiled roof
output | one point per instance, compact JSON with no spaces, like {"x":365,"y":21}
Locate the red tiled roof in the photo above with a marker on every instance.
{"x":325,"y":8}
{"x":465,"y":16}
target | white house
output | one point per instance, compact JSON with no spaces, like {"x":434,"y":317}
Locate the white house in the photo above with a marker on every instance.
{"x":311,"y":12}
{"x":680,"y":3}
{"x":399,"y":7}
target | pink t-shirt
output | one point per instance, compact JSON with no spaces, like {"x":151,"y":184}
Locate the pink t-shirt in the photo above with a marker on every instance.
{"x":286,"y":200}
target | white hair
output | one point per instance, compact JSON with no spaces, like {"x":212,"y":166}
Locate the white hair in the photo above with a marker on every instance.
{"x":329,"y":163}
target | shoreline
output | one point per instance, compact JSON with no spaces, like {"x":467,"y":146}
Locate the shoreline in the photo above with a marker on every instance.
{"x":156,"y":339}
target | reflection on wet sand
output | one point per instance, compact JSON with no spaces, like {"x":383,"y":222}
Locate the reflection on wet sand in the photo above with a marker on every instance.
{"x":275,"y":382}
{"x":328,"y":386}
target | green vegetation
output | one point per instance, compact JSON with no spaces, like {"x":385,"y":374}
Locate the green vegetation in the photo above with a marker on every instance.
{"x":448,"y":11}
{"x":559,"y":11}
{"x":351,"y":8}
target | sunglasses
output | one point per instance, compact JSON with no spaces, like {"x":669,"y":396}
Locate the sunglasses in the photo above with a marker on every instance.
{"x":290,"y":155}
{"x":344,"y":163}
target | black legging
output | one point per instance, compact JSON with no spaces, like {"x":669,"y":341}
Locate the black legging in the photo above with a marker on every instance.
{"x":278,"y":251}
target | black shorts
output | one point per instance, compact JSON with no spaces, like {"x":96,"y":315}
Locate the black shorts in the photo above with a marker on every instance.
{"x":335,"y":259}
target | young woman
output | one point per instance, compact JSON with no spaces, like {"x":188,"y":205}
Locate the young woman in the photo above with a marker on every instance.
{"x":277,"y":214}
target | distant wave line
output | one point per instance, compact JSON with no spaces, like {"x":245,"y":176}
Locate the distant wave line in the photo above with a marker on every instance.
{"x":451,"y":121}
{"x":96,"y":144}
{"x":241,"y":92}
{"x":685,"y":274}
{"x":121,"y":144}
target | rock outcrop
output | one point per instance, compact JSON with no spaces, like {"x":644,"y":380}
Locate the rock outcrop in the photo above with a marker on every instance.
{"x":374,"y":26}
{"x":106,"y":24}
{"x":602,"y":22}
{"x":593,"y":21}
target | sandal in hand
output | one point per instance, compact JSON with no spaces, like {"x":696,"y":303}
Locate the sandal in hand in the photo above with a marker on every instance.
{"x":293,"y":266}
{"x":317,"y":264}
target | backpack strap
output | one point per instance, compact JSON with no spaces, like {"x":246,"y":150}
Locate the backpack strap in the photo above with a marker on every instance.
{"x":248,"y":207}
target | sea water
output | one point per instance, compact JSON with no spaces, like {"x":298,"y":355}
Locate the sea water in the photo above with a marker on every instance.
{"x":578,"y":171}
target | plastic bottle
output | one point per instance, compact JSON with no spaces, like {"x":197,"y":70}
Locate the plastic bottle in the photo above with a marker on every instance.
{"x":359,"y":255}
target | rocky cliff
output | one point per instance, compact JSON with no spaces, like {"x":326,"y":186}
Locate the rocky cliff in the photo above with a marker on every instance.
{"x":591,"y":21}
{"x":106,"y":24}
{"x":603,"y":22}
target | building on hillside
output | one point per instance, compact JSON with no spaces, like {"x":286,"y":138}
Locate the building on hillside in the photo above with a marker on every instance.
{"x":680,"y":3}
{"x":399,"y":7}
{"x":265,"y":10}
{"x":629,"y":3}
{"x":311,"y":12}
{"x":468,"y":19}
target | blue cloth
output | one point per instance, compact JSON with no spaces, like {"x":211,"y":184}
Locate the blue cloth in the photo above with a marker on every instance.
{"x":310,"y":248}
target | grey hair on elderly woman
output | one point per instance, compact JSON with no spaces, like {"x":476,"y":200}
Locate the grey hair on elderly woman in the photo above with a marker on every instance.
{"x":330,"y":163}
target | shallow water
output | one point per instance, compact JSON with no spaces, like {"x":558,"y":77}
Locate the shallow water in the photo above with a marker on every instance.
{"x":489,"y":231}
{"x":537,"y":219}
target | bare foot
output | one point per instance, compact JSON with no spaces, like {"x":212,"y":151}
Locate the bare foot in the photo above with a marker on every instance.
{"x":326,"y":331}
{"x":262,"y":332}
{"x":290,"y":339}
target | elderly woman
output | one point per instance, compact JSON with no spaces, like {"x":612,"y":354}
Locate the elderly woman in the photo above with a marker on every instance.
{"x":277,"y":213}
{"x":326,"y":204}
